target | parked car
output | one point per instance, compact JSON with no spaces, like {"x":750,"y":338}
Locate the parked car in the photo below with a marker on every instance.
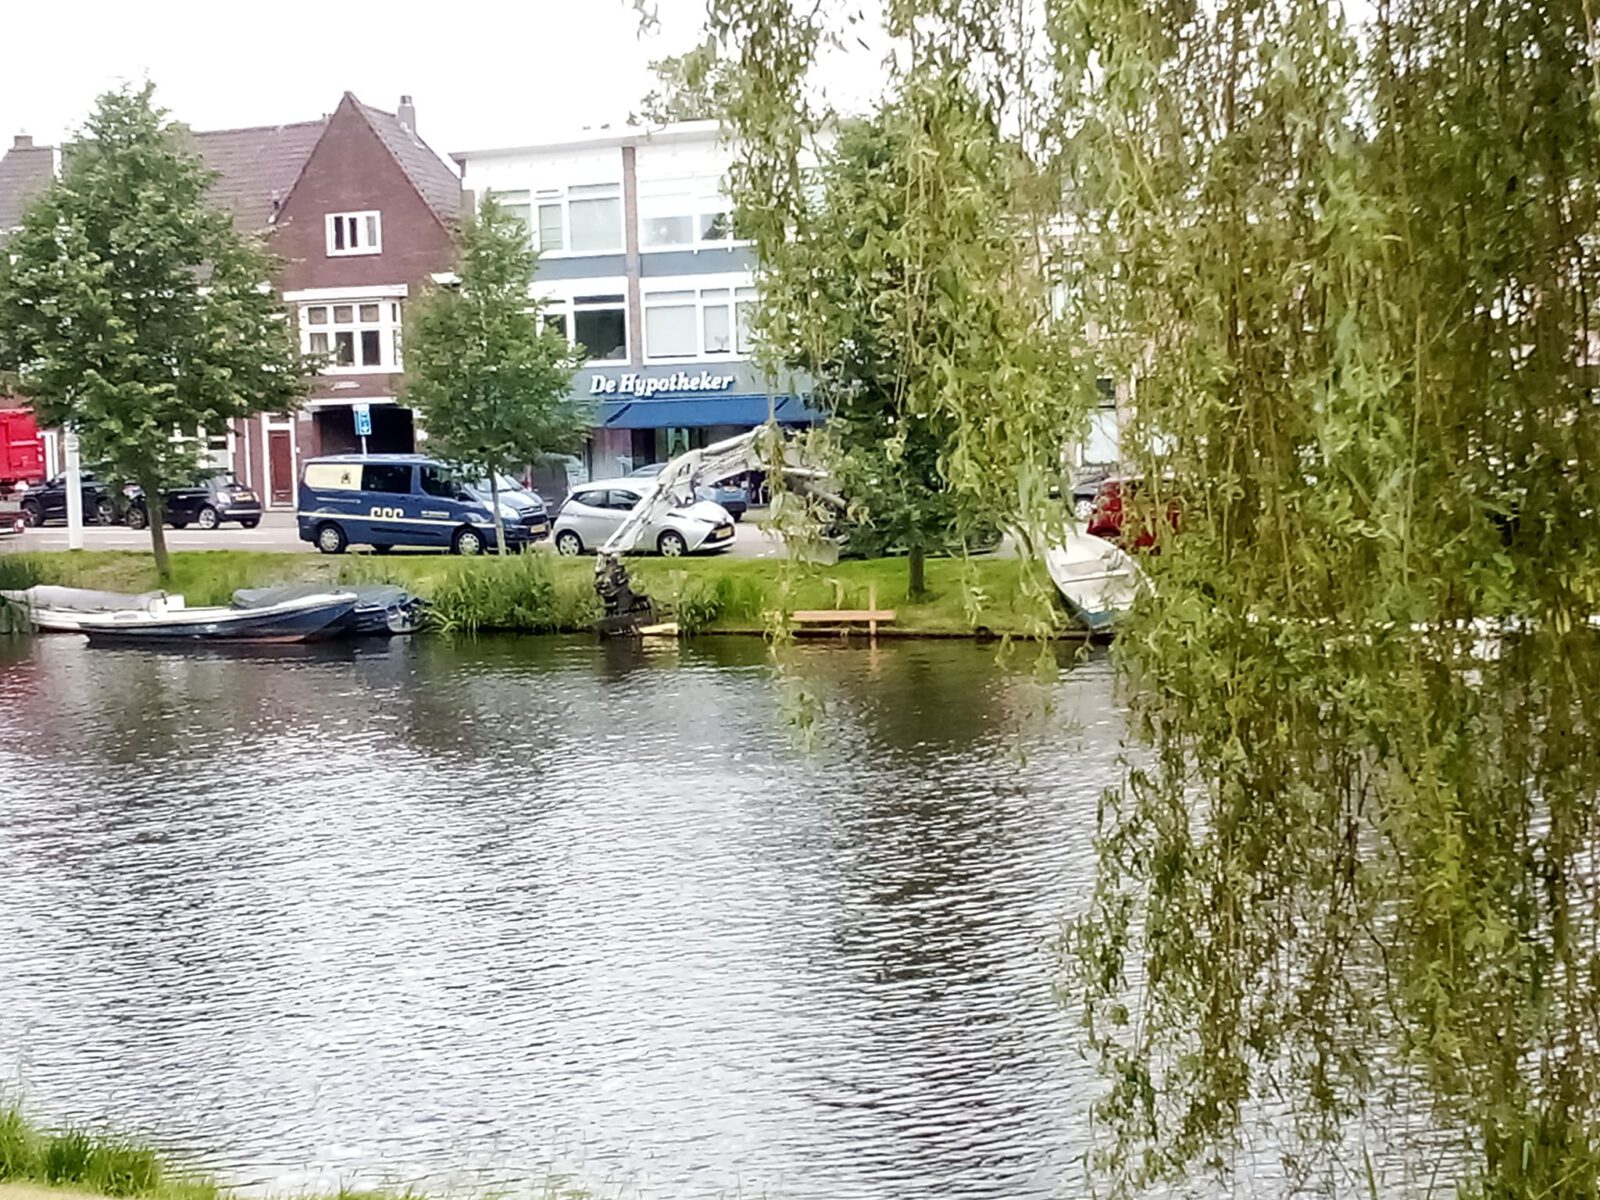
{"x":593,"y":512}
{"x":519,"y":495}
{"x":1108,"y":518}
{"x":389,"y":500}
{"x":48,"y":502}
{"x":208,"y":504}
{"x":727,"y":493}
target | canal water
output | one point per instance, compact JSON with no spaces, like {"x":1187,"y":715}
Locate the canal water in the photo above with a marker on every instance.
{"x":465,"y":914}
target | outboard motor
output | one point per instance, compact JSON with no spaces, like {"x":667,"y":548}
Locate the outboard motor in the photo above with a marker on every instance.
{"x":625,"y":609}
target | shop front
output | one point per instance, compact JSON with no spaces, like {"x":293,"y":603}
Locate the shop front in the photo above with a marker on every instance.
{"x":648,"y":414}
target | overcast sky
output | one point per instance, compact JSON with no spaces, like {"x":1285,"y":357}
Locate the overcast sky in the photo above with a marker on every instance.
{"x":483,"y":72}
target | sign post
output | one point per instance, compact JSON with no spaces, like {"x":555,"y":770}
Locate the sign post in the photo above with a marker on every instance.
{"x":363,"y":416}
{"x":74,"y":494}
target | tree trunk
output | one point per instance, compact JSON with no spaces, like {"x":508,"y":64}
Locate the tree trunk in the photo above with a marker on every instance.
{"x":494,"y":503}
{"x":155,"y":508}
{"x":917,"y":562}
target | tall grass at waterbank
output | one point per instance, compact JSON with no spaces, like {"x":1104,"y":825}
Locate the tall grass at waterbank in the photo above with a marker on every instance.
{"x":541,"y":593}
{"x":89,"y":1161}
{"x":78,"y":1159}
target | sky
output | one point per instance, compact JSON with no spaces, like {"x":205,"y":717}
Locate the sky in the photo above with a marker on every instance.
{"x":482,"y":72}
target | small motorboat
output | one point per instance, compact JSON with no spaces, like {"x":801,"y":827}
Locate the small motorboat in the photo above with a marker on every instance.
{"x":380,"y":609}
{"x":63,"y":609}
{"x":321,"y":614}
{"x":1098,"y":580}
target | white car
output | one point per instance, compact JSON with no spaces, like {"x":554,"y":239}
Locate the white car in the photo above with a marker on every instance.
{"x":594,"y":510}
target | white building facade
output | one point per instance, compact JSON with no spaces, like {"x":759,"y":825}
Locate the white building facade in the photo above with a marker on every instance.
{"x":638,"y":264}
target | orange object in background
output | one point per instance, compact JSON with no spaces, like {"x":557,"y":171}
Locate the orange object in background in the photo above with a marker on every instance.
{"x":21,"y":448}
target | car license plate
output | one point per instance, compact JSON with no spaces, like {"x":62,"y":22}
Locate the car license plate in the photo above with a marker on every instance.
{"x":539,"y":528}
{"x":724,"y":532}
{"x":244,"y":497}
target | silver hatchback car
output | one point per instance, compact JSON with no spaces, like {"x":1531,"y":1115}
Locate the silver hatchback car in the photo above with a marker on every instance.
{"x":593,"y":511}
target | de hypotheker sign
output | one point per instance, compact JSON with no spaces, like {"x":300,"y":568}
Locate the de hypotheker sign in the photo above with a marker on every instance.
{"x":641,"y":387}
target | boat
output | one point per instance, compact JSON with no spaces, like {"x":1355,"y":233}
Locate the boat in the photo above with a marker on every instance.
{"x":380,"y":609}
{"x":321,"y":614}
{"x":1098,"y":580}
{"x":63,"y":609}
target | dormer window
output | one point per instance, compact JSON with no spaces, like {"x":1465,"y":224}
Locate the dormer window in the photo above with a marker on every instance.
{"x":354,"y":233}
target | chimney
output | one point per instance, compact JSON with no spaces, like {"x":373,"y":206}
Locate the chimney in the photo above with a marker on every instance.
{"x":22,"y":141}
{"x":407,"y":112}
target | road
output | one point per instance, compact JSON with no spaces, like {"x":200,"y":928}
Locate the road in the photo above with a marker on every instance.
{"x":277,"y":532}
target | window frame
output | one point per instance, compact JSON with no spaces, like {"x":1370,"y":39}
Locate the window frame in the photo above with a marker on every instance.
{"x":361,"y":217}
{"x":388,"y":327}
{"x":682,"y":199}
{"x":565,"y":306}
{"x":561,"y":197}
{"x":710,"y":292}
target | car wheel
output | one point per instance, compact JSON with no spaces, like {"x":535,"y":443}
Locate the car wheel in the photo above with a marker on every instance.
{"x":104,"y":514}
{"x":467,"y":542}
{"x":330,"y":538}
{"x":671,"y":544}
{"x":32,"y":513}
{"x":1083,"y":509}
{"x":381,"y":547}
{"x":249,"y":522}
{"x":138,"y":517}
{"x":206,"y":518}
{"x":568,"y":543}
{"x":178,"y":524}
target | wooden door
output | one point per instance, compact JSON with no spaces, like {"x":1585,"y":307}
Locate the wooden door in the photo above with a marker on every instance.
{"x":280,"y":457}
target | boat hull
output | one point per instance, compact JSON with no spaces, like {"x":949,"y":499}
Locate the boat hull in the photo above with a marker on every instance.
{"x":294,"y":622}
{"x":1098,"y":581}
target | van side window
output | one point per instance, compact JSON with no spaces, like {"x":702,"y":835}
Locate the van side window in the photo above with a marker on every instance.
{"x":436,"y":483}
{"x":386,"y":477}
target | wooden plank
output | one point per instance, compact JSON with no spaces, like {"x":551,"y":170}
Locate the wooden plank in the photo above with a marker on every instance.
{"x":836,"y":616}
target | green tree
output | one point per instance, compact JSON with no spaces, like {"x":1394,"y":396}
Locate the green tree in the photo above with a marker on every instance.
{"x":492,"y":384}
{"x":904,"y":288}
{"x":689,"y":87}
{"x":132,"y":311}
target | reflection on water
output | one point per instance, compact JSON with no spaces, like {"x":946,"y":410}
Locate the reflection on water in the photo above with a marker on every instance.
{"x":417,"y":910}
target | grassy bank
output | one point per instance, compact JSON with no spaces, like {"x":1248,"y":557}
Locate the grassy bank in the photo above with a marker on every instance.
{"x":73,"y":1163}
{"x":542,"y":593}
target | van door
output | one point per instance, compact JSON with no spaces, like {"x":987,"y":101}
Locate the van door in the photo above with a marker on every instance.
{"x":438,"y":502}
{"x":389,"y":492}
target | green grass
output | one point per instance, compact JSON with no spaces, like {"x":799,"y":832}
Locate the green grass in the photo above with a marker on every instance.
{"x":89,"y":1161}
{"x":542,"y":593}
{"x":82,"y":1160}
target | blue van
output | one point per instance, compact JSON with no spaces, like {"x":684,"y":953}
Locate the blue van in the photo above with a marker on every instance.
{"x":389,"y":500}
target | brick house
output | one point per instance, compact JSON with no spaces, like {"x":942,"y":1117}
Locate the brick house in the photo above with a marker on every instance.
{"x":359,"y":211}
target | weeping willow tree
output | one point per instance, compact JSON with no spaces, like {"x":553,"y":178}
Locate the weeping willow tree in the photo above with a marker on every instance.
{"x":1346,"y":929}
{"x":903,"y":268}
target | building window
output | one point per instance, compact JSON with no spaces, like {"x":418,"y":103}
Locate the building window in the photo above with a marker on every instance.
{"x":710,"y":323}
{"x":597,"y":323}
{"x":582,"y":219}
{"x":355,"y":233}
{"x":213,"y":451}
{"x":674,"y":216}
{"x":353,"y":337}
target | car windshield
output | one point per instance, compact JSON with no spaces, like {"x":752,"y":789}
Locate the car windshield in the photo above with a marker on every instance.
{"x":505,"y":482}
{"x":648,"y":469}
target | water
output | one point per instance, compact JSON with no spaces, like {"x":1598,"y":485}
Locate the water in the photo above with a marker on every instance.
{"x":456,"y":915}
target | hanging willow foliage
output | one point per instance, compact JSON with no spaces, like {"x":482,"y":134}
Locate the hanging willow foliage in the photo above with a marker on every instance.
{"x":1346,"y":932}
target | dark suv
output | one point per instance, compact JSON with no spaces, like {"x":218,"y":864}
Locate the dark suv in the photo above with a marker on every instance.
{"x":208,"y":504}
{"x":48,"y":502}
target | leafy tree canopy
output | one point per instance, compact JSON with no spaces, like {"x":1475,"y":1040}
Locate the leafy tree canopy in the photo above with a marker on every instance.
{"x":491,"y":382}
{"x":133,"y":312}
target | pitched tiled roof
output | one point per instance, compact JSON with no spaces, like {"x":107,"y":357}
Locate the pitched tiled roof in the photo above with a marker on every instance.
{"x":256,"y":166}
{"x":437,"y":184}
{"x":25,"y":171}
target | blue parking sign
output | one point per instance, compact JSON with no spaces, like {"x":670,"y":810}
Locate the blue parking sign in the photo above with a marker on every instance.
{"x":363,"y":413}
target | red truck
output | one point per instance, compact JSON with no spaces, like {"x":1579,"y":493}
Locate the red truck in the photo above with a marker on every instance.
{"x":21,"y":447}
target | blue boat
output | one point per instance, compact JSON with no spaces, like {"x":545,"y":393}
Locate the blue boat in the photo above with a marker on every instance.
{"x":296,"y":619}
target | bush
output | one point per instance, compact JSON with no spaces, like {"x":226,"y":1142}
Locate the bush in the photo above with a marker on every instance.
{"x":522,"y":592}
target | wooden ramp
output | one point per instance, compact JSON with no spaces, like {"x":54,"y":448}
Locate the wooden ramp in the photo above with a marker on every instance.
{"x":826,"y":620}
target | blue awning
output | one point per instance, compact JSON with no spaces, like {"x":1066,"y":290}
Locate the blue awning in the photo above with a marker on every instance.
{"x":700,"y":411}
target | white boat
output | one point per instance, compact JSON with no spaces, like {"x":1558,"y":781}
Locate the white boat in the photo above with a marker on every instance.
{"x":63,"y":609}
{"x":321,"y":614}
{"x":1098,"y":580}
